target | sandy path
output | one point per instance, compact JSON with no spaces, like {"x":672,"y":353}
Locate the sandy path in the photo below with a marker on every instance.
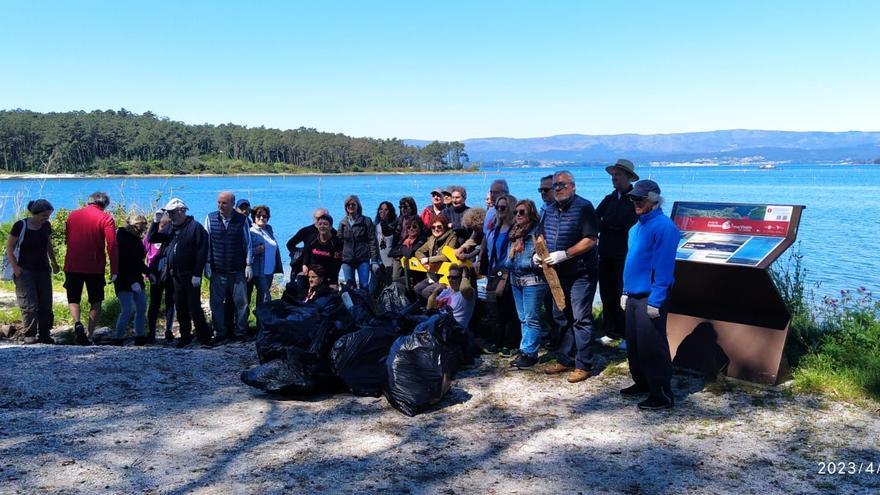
{"x":160,"y":420}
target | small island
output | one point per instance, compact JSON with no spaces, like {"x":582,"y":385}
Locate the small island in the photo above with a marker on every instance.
{"x":119,"y":142}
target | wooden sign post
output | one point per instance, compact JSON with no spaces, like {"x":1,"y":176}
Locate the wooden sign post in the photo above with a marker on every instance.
{"x":550,"y":273}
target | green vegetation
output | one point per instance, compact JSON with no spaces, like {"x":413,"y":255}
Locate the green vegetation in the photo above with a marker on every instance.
{"x":121,"y":142}
{"x":834,"y":346}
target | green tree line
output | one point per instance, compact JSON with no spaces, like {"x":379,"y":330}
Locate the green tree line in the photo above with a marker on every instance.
{"x":122,"y":142}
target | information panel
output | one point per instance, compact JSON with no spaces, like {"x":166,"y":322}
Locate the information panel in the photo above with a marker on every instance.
{"x":734,"y":234}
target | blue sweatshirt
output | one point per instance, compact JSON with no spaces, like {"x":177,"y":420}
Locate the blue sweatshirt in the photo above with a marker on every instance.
{"x":650,"y":261}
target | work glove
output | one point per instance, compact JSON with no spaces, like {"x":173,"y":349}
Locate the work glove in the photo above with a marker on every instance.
{"x":208,"y":272}
{"x":112,"y":278}
{"x":653,"y":312}
{"x":556,"y":257}
{"x":623,"y":299}
{"x":536,"y":260}
{"x":248,"y":273}
{"x":136,"y":287}
{"x":196,"y":281}
{"x":424,"y":261}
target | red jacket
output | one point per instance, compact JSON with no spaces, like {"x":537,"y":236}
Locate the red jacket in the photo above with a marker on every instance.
{"x":88,"y":229}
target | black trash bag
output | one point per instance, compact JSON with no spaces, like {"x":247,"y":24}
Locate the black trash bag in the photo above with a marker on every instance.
{"x":393,"y":298}
{"x":421,"y":365}
{"x":279,"y":376}
{"x":295,"y":374}
{"x":359,"y":357}
{"x":362,"y":307}
{"x":311,"y":327}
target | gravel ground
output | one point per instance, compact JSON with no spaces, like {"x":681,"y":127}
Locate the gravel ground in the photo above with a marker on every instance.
{"x":162,"y":420}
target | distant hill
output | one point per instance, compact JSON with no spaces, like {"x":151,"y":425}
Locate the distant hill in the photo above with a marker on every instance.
{"x":729,"y":145}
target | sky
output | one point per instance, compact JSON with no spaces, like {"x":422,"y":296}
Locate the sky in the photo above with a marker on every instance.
{"x":452,"y":69}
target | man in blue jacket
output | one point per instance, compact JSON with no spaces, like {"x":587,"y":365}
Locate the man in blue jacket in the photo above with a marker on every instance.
{"x":647,"y":278}
{"x":571,"y":230}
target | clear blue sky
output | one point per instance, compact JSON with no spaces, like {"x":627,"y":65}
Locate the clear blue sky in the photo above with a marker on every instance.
{"x":452,"y":70}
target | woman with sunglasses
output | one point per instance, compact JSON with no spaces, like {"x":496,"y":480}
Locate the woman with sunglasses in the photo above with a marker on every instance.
{"x":411,"y":239}
{"x":359,"y":247}
{"x":129,"y":283}
{"x":505,"y":335}
{"x":267,"y":261}
{"x":431,"y":252}
{"x":526,"y":281}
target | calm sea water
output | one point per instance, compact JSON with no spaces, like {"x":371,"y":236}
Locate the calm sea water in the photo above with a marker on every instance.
{"x":838,"y":231}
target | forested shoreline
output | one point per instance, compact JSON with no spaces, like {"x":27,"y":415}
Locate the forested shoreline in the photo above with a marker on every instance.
{"x":121,"y":142}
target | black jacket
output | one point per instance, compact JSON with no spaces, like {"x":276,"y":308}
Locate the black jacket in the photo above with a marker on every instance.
{"x":358,"y":240}
{"x":131,"y":261}
{"x":187,"y":247}
{"x":616,"y":215}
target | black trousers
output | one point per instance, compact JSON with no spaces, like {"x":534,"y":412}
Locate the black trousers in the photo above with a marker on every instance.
{"x":610,"y":290}
{"x":157,"y":291}
{"x":188,"y":302}
{"x":506,"y":331}
{"x":647,"y":348}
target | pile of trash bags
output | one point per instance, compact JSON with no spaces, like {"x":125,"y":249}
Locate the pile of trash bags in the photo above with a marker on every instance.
{"x":348,"y":341}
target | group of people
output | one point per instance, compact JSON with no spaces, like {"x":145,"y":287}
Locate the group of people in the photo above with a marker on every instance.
{"x":625,"y":246}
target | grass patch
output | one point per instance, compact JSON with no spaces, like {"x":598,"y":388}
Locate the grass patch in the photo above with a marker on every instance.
{"x":833,"y":345}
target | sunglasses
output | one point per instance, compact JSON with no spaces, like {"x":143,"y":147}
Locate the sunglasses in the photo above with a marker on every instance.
{"x":560,"y":185}
{"x":413,"y":227}
{"x":636,"y":199}
{"x":436,"y":195}
{"x":351,"y":205}
{"x":521,"y":213}
{"x":263,"y":216}
{"x":501,"y":208}
{"x":437,"y":227}
{"x":453,"y":277}
{"x":543,"y":190}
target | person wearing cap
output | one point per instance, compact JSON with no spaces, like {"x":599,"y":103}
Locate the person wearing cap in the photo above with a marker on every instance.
{"x":243,"y":206}
{"x":435,"y":208}
{"x":88,"y":230}
{"x":447,"y":197}
{"x":571,"y":230}
{"x":186,"y":249}
{"x":647,"y":277}
{"x":616,"y":215}
{"x":229,"y":267}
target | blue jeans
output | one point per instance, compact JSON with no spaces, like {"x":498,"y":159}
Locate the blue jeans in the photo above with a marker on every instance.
{"x":576,"y":322}
{"x":128,"y":301}
{"x":363,"y":273}
{"x":529,"y":300}
{"x":226,"y":287}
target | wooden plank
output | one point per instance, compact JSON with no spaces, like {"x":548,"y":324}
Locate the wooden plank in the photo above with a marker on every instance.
{"x":550,"y":273}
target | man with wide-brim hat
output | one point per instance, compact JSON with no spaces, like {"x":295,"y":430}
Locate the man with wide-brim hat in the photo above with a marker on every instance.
{"x":616,"y":215}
